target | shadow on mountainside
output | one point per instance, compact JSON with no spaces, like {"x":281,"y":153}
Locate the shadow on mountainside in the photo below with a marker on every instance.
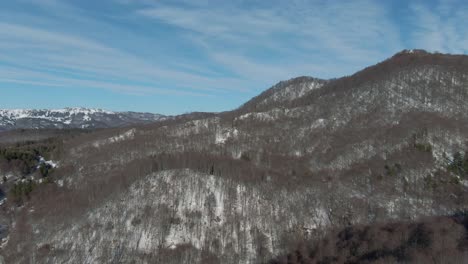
{"x":429,"y":240}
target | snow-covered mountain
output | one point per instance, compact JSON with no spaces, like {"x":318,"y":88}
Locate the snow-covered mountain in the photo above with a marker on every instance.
{"x":71,"y":118}
{"x":304,"y":157}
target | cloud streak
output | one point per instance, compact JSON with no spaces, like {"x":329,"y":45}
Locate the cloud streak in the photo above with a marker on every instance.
{"x":91,"y":64}
{"x":300,"y":33}
{"x":210,"y":48}
{"x":442,"y":27}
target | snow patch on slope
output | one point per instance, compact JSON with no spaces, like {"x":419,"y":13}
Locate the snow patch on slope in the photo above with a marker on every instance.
{"x":223,"y":135}
{"x":130,"y":134}
{"x":291,"y":91}
{"x":51,"y":163}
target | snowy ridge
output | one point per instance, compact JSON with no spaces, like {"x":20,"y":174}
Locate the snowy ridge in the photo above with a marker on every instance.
{"x":292,"y":89}
{"x":51,"y":114}
{"x":127,"y":135}
{"x":76,"y":117}
{"x":283,"y":93}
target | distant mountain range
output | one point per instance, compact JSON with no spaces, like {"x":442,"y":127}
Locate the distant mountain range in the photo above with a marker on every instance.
{"x":71,"y":118}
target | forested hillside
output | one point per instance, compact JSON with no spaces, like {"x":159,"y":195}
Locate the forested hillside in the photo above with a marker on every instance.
{"x":367,"y":155}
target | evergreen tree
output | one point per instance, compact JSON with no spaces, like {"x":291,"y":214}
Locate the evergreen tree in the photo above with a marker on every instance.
{"x":465,"y":163}
{"x":458,"y":164}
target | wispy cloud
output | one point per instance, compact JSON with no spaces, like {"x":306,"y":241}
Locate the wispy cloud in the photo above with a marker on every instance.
{"x":440,"y":27}
{"x":34,"y":51}
{"x":300,"y":33}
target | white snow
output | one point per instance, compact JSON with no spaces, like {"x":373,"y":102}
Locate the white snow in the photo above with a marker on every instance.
{"x":465,"y":183}
{"x":130,"y":134}
{"x":60,"y":183}
{"x":80,"y":110}
{"x":145,"y":244}
{"x":319,"y":123}
{"x":292,"y":92}
{"x":51,"y":163}
{"x":261,"y":116}
{"x":4,"y":241}
{"x":223,"y":135}
{"x":64,"y":115}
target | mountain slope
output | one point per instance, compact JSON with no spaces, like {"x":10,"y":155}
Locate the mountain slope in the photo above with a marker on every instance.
{"x":72,"y":118}
{"x":243,"y":186}
{"x":430,"y":240}
{"x":282,"y":93}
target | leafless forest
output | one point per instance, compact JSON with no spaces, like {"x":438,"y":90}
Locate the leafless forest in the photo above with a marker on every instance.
{"x":368,"y":168}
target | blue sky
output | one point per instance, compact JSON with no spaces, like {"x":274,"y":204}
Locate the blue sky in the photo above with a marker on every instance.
{"x":179,"y":56}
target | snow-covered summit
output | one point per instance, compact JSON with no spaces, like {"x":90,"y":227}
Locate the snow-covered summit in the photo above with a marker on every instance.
{"x":412,"y":52}
{"x":81,"y":110}
{"x":70,"y":117}
{"x":44,"y":113}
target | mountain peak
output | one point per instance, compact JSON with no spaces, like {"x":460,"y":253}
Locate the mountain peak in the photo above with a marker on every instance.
{"x":412,"y":51}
